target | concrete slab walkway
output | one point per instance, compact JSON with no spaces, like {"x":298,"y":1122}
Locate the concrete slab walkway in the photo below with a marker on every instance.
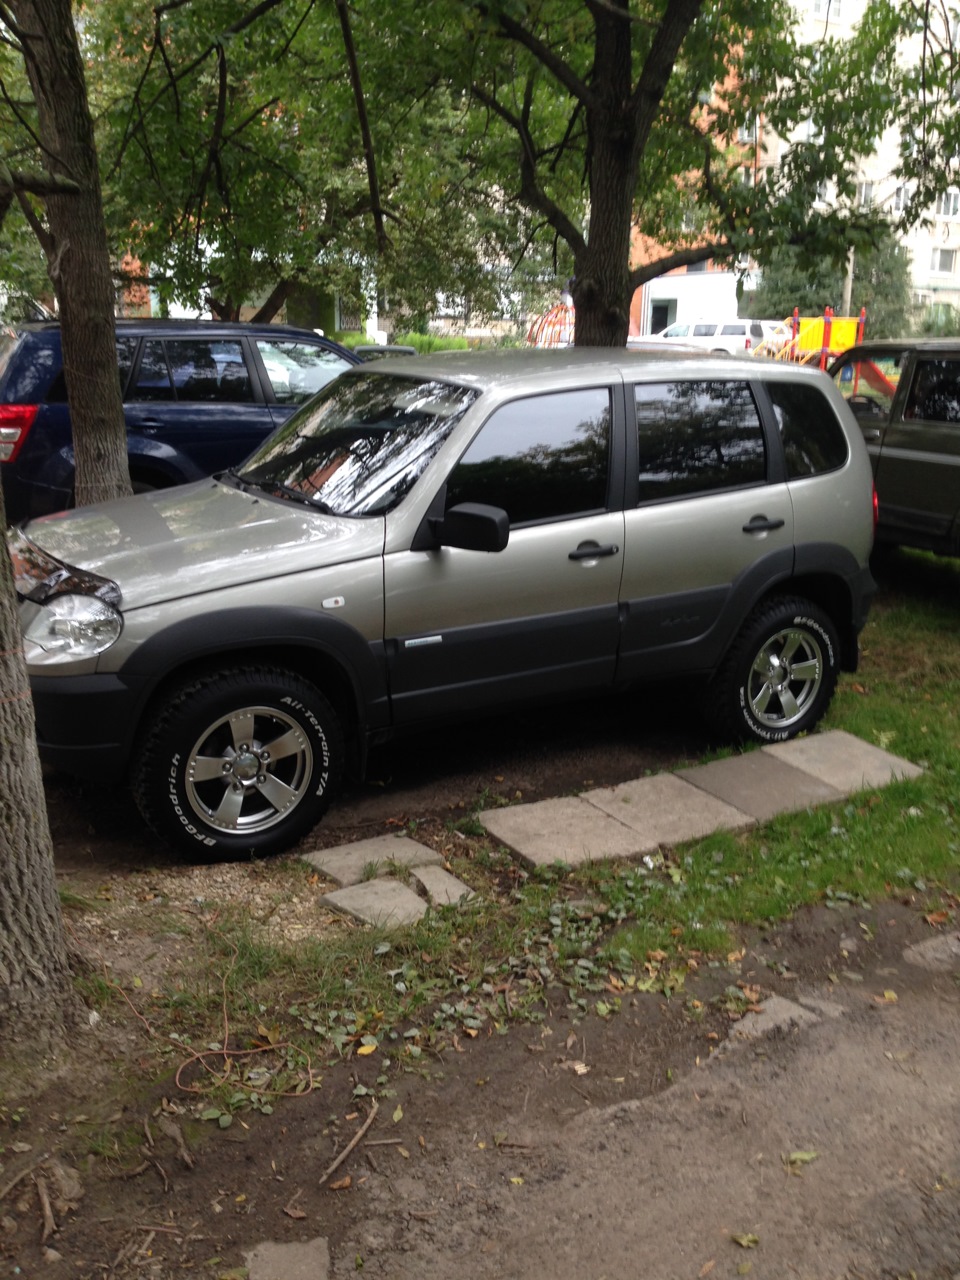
{"x":635,"y":818}
{"x":390,"y":881}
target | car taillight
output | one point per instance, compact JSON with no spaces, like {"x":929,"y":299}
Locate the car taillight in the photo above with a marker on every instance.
{"x":876,"y":509}
{"x":747,"y":348}
{"x":15,"y":422}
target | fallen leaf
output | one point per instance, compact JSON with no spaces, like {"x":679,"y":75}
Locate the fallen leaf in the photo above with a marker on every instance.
{"x":748,"y":1241}
{"x":404,"y":1152}
{"x":365,"y":1049}
{"x":342,"y":1185}
{"x":888,"y":997}
{"x":937,"y":918}
{"x":398,"y":1114}
{"x":292,"y":1212}
{"x":707,"y":1267}
{"x":802,"y":1157}
{"x":517,"y":1182}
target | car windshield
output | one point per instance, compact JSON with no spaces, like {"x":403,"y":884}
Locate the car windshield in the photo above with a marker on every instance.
{"x":360,"y":445}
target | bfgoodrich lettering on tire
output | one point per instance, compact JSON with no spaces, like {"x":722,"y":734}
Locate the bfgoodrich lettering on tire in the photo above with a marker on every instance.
{"x":780,"y":674}
{"x":238,"y":764}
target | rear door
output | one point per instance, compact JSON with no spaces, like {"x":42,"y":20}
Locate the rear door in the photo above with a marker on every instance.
{"x":707,"y":503}
{"x":468,"y":630}
{"x":193,"y":406}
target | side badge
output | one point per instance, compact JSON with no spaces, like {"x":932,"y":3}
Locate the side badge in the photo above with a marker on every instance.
{"x":334,"y":602}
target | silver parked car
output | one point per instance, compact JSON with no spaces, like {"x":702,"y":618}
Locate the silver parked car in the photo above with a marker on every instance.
{"x":430,"y":538}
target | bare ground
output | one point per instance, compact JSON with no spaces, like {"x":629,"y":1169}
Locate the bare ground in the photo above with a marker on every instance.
{"x":603,"y":1148}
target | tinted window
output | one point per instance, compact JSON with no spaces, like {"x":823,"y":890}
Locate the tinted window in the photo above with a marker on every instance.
{"x":153,"y":376}
{"x":208,"y":371}
{"x":695,"y":437}
{"x":868,"y":382}
{"x":297,"y":370}
{"x":676,"y":331}
{"x":935,"y":391}
{"x":126,"y":350}
{"x":704,"y":330}
{"x":813,"y":440}
{"x":738,"y":330}
{"x":541,"y":458}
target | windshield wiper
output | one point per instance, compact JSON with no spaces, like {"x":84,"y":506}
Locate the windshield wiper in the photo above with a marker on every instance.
{"x":297,"y":495}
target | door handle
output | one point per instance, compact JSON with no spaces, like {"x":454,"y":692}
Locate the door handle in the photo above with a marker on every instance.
{"x":873,"y":433}
{"x":594,"y":552}
{"x":760,"y":524}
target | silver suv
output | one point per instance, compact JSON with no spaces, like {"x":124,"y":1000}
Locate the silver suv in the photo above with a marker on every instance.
{"x":430,"y":538}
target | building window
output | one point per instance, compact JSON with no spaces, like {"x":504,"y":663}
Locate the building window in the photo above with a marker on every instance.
{"x":829,"y":9}
{"x":747,"y":132}
{"x":746,"y":175}
{"x":820,"y":196}
{"x":944,"y":261}
{"x":948,"y":204}
{"x":864,"y":195}
{"x":900,"y":197}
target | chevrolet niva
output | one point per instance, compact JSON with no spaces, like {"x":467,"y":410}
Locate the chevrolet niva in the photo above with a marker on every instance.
{"x":431,"y":538}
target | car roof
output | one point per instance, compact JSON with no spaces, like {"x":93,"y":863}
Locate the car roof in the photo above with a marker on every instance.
{"x":572,"y":366}
{"x":149,"y":324}
{"x":932,"y":345}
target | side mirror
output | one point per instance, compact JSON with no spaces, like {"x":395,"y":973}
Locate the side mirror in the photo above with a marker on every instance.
{"x":473,"y":526}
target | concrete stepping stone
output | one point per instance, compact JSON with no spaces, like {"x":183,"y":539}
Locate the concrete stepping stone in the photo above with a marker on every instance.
{"x":665,"y":810}
{"x":299,"y":1260}
{"x":566,"y":830}
{"x":442,"y":888}
{"x":352,"y":863}
{"x":384,"y":902}
{"x":760,"y":784}
{"x":843,"y":761}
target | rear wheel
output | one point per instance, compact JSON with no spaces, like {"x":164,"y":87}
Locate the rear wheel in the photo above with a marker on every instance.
{"x":780,"y":674}
{"x":239,"y":764}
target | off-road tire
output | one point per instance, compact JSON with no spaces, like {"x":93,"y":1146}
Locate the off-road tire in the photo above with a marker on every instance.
{"x":779,"y":674}
{"x":238,"y":764}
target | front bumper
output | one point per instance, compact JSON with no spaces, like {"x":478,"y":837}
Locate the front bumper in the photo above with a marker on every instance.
{"x":86,"y":724}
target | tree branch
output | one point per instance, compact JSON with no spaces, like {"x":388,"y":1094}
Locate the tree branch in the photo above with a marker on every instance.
{"x":368,"y":152}
{"x":559,"y":69}
{"x":645,"y":101}
{"x":679,"y":258}
{"x":530,"y":190}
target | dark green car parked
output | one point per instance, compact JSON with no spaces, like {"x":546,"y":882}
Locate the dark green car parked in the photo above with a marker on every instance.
{"x":906,"y":396}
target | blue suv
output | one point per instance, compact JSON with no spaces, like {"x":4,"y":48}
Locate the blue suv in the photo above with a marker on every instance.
{"x":198,"y":397}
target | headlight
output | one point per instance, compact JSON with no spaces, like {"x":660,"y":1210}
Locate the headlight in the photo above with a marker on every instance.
{"x":69,"y":627}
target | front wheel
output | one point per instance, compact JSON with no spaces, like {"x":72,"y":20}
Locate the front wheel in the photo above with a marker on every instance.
{"x":779,"y":676}
{"x":239,"y":764}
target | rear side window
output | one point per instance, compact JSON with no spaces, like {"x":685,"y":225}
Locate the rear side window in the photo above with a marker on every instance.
{"x":813,"y":439}
{"x":126,"y":351}
{"x":704,"y":330}
{"x":542,"y":458}
{"x":696,"y":437}
{"x":736,"y":330}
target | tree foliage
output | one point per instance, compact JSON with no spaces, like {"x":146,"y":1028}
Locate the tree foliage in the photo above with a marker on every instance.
{"x":881,"y":284}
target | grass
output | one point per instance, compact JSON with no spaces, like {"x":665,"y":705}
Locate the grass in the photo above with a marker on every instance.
{"x":387,"y":999}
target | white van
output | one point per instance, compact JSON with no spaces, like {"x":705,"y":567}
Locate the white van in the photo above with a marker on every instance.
{"x":732,"y":336}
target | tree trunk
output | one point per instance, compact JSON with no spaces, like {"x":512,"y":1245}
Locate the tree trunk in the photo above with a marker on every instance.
{"x":37,"y":1000}
{"x":601,"y":288}
{"x":78,"y":258}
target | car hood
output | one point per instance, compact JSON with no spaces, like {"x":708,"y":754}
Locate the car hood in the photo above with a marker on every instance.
{"x":200,"y":537}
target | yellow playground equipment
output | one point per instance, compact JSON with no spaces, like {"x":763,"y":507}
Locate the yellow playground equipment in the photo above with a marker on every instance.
{"x":814,"y":339}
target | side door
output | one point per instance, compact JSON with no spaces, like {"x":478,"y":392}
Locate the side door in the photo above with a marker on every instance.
{"x":468,"y":630}
{"x":192,"y":407}
{"x":918,"y":474}
{"x":708,"y":516}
